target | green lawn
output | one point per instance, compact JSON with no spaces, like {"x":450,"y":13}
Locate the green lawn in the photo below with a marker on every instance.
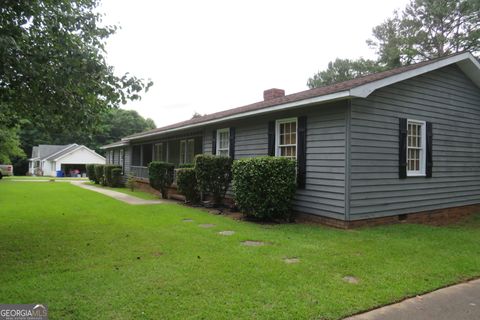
{"x":40,"y":178}
{"x":136,"y":193}
{"x":89,"y":256}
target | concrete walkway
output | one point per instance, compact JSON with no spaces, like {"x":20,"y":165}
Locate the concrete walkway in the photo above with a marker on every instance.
{"x":117,"y":195}
{"x":46,"y":180}
{"x":458,"y":302}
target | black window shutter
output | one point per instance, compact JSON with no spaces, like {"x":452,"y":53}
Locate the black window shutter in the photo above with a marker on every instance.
{"x":302,"y":152}
{"x":429,"y":157}
{"x":214,"y":142}
{"x":231,"y":152}
{"x":402,"y":150}
{"x":271,"y":138}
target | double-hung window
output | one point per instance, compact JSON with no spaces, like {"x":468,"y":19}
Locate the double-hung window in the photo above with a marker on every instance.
{"x":187,"y":151}
{"x":416,"y":142}
{"x":286,"y":138}
{"x":223,"y":142}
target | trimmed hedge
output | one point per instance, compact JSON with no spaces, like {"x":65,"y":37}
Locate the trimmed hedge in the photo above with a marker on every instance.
{"x":214,"y":174}
{"x":161,"y":176}
{"x":187,"y":184}
{"x":91,"y":172}
{"x":264,"y":187}
{"x":116,"y":178}
{"x":98,"y":168}
{"x":107,"y":173}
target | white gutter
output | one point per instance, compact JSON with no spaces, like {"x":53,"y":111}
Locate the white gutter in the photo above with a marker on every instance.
{"x":290,"y":105}
{"x":114,"y":145}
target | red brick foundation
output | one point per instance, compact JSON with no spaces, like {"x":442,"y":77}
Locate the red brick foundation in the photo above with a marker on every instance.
{"x":432,"y":217}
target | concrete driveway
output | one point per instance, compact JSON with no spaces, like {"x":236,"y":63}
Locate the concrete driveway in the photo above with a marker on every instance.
{"x":458,"y":302}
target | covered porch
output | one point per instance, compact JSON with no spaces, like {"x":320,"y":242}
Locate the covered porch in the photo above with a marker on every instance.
{"x":177,"y":150}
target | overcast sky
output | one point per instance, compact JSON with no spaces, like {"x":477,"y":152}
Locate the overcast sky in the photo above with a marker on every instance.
{"x":207,"y":56}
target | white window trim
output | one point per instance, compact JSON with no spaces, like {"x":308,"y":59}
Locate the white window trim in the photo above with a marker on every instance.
{"x":219,"y":131}
{"x":277,"y":135}
{"x":423,"y":158}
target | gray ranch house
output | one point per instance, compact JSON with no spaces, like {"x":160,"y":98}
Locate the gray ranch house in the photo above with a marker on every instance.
{"x":403,"y":144}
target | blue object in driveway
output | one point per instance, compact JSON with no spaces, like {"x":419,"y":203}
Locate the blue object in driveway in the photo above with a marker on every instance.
{"x":59,"y":173}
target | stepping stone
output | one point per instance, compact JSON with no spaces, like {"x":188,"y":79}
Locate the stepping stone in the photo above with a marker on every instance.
{"x":350,"y":279}
{"x":250,"y":243}
{"x":206,"y":225}
{"x":226,"y":233}
{"x":291,"y":260}
{"x":187,"y":220}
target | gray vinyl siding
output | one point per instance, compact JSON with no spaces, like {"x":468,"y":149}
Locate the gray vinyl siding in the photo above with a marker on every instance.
{"x":448,"y":99}
{"x":324,"y":193}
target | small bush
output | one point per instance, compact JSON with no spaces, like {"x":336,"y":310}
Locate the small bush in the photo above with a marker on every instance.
{"x":187,"y":184}
{"x":98,"y":168}
{"x":264,"y":187}
{"x":116,"y":177}
{"x":91,"y":172}
{"x":107,"y":173}
{"x":214,"y":174}
{"x":161,"y":176}
{"x":130,"y":183}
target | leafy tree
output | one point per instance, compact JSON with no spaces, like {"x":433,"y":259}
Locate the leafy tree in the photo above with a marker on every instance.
{"x":341,"y":70}
{"x":54,"y":72}
{"x":425,"y":29}
{"x":428,"y":29}
{"x":9,"y":143}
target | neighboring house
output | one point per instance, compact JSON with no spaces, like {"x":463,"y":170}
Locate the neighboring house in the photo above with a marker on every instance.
{"x":46,"y":160}
{"x":389,"y":144}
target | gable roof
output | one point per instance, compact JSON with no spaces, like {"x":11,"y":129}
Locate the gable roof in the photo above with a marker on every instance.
{"x":49,"y":152}
{"x":62,"y":152}
{"x":43,"y":151}
{"x":72,"y":149}
{"x":356,"y":88}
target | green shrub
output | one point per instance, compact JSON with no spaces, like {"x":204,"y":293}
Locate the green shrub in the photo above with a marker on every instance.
{"x":130,"y":183}
{"x":214,"y":174}
{"x":98,"y":168}
{"x":107,"y":173}
{"x":161,"y":176}
{"x":264,"y":187}
{"x":187,"y":184}
{"x":116,"y":177}
{"x":91,"y":172}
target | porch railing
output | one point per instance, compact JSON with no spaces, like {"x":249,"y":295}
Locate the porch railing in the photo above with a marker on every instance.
{"x":142,"y":172}
{"x":139,"y":172}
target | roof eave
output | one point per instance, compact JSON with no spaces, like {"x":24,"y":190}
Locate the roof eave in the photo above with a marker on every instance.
{"x":286,"y":106}
{"x":466,"y":61}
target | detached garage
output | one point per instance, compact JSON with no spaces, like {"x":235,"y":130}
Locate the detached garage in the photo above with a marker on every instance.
{"x":68,"y":160}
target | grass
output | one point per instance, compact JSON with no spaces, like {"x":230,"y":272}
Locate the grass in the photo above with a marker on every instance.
{"x":40,"y":178}
{"x":135,"y":193}
{"x":89,"y":256}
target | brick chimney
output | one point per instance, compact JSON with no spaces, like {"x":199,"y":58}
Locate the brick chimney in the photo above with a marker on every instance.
{"x":273,"y":94}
